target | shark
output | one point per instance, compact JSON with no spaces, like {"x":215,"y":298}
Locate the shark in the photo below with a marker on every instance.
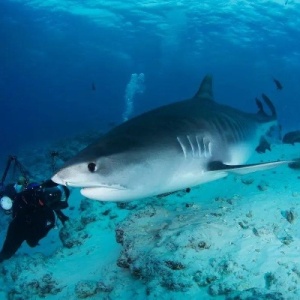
{"x":170,"y":148}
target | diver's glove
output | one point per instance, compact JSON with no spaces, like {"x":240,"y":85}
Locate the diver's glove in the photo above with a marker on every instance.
{"x":62,"y":217}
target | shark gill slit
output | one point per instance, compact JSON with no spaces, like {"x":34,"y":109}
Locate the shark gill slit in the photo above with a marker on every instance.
{"x":202,"y":146}
{"x":207,"y":147}
{"x":182,"y":147}
{"x":192,"y":146}
{"x":210,"y":148}
{"x":199,"y":148}
{"x":196,"y":146}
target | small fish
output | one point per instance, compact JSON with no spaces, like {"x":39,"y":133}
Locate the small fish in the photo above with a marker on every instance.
{"x":290,"y":216}
{"x":93,"y":87}
{"x":275,"y":133}
{"x":278,"y":84}
{"x":291,"y":137}
{"x":263,"y":146}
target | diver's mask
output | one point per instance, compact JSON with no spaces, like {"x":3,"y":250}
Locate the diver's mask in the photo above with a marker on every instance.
{"x":18,"y":187}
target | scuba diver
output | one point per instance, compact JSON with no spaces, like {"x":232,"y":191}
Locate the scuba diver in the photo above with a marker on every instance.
{"x":33,"y":207}
{"x":33,"y":212}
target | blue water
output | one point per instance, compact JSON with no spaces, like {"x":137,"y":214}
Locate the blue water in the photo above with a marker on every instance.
{"x":65,"y":66}
{"x":51,"y":53}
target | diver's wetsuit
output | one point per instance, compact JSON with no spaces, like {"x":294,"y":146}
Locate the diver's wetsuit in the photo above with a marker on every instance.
{"x":32,"y":220}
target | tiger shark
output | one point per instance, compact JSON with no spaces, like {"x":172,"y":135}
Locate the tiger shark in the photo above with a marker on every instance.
{"x":170,"y":148}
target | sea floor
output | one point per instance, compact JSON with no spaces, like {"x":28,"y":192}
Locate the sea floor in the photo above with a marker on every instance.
{"x":235,"y":238}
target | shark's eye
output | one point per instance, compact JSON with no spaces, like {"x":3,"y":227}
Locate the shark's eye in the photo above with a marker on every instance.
{"x":92,"y":167}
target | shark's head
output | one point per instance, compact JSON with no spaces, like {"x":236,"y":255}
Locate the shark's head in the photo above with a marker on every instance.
{"x":93,"y":175}
{"x":121,"y":175}
{"x":99,"y":177}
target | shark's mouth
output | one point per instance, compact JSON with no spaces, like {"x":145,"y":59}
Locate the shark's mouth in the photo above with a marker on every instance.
{"x":117,"y":187}
{"x":106,"y":192}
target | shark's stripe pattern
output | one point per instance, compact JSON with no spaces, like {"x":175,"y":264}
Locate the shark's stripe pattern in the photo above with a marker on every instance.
{"x":195,"y":146}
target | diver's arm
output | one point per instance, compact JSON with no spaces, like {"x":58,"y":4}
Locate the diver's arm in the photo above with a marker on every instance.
{"x":62,"y":217}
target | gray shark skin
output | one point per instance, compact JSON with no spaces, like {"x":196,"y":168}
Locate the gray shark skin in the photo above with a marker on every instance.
{"x":170,"y":148}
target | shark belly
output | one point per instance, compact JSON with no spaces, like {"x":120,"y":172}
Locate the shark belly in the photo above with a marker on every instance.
{"x":156,"y":178}
{"x":174,"y":167}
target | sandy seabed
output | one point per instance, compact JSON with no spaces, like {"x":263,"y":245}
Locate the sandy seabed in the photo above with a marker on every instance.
{"x":235,"y":238}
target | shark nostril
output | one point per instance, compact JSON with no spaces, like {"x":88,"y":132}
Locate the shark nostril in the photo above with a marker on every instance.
{"x":92,"y":167}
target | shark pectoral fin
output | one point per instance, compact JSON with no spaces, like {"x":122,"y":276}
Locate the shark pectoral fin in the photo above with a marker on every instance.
{"x":245,"y":169}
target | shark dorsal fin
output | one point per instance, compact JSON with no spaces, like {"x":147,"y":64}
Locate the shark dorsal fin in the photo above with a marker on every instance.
{"x":205,"y":90}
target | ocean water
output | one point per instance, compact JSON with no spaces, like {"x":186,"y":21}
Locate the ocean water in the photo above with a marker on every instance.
{"x":70,"y":70}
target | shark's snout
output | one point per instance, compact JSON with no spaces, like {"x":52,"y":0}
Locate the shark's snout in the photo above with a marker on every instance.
{"x":73,"y":176}
{"x":57,"y":179}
